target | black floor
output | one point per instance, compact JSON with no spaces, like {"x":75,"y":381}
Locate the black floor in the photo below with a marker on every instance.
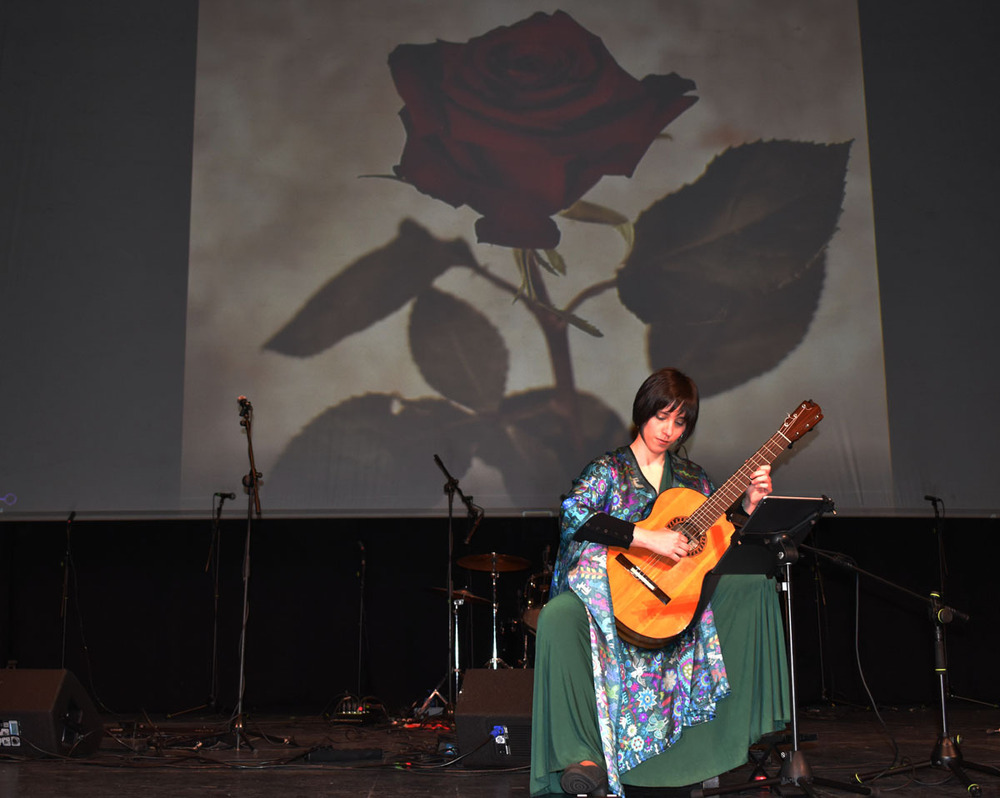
{"x":298,"y":756}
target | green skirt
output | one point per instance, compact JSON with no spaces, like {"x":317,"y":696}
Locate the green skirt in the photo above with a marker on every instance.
{"x":564,"y":726}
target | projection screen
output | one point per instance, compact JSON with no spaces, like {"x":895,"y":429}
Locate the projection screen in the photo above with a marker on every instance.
{"x":371,"y":329}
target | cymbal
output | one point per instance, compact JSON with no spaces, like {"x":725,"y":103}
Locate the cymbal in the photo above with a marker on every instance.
{"x":493,"y":562}
{"x":465,"y":595}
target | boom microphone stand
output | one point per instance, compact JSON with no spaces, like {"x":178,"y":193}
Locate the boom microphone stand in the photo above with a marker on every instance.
{"x":476,"y":513}
{"x":945,"y":753}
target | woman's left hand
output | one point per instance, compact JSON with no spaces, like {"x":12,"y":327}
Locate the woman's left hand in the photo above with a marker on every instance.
{"x":759,"y":487}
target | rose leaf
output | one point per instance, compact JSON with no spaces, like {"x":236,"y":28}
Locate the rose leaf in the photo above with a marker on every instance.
{"x":754,"y":221}
{"x":360,"y":453}
{"x":540,"y":439}
{"x":556,"y":265}
{"x":732,"y":338}
{"x":458,"y":351}
{"x":627,"y":232}
{"x":556,"y":262}
{"x":371,"y":288}
{"x":583,"y":211}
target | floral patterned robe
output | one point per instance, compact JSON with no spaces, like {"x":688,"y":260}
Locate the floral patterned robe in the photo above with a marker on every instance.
{"x":644,"y":697}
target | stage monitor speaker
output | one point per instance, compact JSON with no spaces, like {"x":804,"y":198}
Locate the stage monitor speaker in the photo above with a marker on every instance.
{"x":493,"y":717}
{"x":46,"y":713}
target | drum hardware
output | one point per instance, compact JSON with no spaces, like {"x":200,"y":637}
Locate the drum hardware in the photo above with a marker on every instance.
{"x":490,"y":562}
{"x":495,"y":564}
{"x":460,"y":595}
{"x":536,"y":593}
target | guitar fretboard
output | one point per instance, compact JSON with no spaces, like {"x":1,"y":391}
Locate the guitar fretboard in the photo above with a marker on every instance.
{"x":723,"y":498}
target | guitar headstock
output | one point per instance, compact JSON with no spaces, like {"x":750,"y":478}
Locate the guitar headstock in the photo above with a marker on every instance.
{"x":806,"y":416}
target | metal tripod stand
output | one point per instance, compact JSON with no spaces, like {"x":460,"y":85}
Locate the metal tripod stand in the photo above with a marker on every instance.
{"x":768,"y":543}
{"x":938,"y":505}
{"x":214,"y":563}
{"x":453,"y":674}
{"x":945,"y":752}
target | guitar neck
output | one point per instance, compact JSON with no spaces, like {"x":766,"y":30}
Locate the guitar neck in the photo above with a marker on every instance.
{"x":723,"y":498}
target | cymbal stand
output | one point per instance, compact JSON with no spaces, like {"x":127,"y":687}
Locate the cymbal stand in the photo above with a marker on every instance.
{"x":495,"y":662}
{"x":250,"y":481}
{"x":435,"y":695}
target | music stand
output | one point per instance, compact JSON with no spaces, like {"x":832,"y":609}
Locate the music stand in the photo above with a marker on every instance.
{"x":768,"y":544}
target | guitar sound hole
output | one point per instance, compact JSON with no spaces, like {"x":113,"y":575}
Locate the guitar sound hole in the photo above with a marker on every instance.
{"x":697,"y":539}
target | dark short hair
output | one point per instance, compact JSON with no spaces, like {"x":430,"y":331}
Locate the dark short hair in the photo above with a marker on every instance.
{"x":666,"y":388}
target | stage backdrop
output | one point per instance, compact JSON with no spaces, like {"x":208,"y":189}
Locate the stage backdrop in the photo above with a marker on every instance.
{"x":472,"y":229}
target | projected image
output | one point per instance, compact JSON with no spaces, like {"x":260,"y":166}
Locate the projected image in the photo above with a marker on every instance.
{"x":565,"y":201}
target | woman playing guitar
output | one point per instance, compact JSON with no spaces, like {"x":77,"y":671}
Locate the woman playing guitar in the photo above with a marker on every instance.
{"x":613,"y":704}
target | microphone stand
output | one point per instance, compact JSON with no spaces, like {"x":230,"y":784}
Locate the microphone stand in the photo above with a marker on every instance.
{"x":945,"y":752}
{"x":361,"y":620}
{"x":451,"y":488}
{"x":67,"y":565}
{"x":250,"y":482}
{"x":214,"y":557}
{"x":938,"y":505}
{"x":352,"y":708}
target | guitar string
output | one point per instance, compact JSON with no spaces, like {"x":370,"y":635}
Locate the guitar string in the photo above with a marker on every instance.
{"x":759,"y":458}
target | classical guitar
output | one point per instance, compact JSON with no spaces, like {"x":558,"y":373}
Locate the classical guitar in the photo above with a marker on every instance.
{"x":655,"y":598}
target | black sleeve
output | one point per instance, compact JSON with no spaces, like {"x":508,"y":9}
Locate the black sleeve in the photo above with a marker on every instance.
{"x":606,"y":529}
{"x":736,"y":514}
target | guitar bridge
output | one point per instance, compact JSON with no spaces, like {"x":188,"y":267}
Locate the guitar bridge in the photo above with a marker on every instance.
{"x":637,"y":573}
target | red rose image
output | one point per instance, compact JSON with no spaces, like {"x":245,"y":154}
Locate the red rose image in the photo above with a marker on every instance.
{"x":521,"y":122}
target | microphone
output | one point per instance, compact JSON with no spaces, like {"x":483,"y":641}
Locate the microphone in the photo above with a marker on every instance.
{"x":934,"y":499}
{"x":475,"y":524}
{"x":226,"y":495}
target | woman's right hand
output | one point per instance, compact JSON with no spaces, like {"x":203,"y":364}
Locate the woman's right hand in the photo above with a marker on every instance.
{"x":666,"y":542}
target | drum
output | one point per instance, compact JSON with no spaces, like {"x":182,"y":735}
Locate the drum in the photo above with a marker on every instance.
{"x":536,"y":593}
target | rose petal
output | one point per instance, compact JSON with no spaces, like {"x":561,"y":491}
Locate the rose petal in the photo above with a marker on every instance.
{"x":521,"y":122}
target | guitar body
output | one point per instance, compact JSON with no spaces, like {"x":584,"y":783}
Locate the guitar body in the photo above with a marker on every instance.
{"x":659,"y":600}
{"x":653,"y":597}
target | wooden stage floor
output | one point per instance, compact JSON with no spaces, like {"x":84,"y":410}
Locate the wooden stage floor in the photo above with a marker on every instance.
{"x":312,"y":756}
